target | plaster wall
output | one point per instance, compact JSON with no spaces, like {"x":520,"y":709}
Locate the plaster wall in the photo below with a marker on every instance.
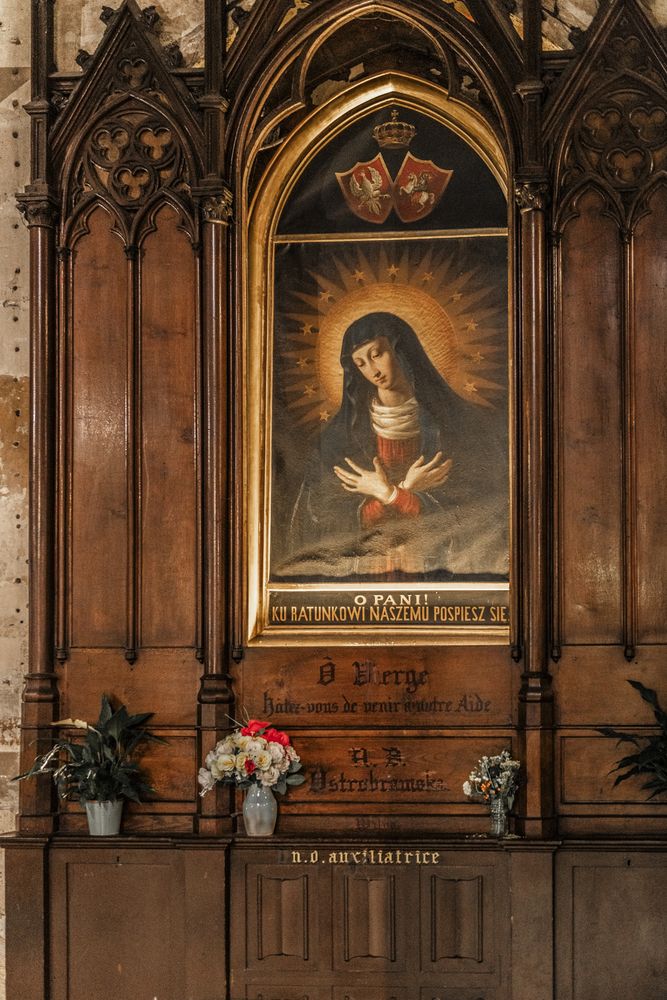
{"x":14,"y":174}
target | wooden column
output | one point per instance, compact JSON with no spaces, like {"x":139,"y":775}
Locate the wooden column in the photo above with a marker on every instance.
{"x":40,"y":213}
{"x":215,"y":696}
{"x":536,"y":697}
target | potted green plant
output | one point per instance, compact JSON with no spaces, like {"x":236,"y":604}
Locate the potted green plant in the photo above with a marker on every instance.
{"x":100,"y":770}
{"x":650,"y":757}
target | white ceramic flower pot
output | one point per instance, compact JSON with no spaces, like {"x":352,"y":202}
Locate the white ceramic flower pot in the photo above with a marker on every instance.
{"x":104,"y":818}
{"x":260,"y":811}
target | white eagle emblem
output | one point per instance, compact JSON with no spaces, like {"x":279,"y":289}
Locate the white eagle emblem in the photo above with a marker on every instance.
{"x":367,"y":190}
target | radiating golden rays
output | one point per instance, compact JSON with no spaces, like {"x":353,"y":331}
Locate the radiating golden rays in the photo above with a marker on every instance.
{"x":457,"y":315}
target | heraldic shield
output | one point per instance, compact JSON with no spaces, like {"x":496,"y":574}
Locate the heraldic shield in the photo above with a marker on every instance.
{"x":371,"y":194}
{"x":367,"y":189}
{"x":418,"y":188}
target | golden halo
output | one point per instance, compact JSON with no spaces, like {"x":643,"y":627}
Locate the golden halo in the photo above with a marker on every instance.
{"x":413,"y":305}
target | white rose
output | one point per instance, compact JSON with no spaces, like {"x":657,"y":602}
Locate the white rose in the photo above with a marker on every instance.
{"x":206,"y":780}
{"x":467,"y":790}
{"x":239,"y":763}
{"x":215,"y":770}
{"x":241,"y":741}
{"x":270,"y":777}
{"x":225,"y":761}
{"x":210,"y":757}
{"x":255,"y":746}
{"x":263,"y":760}
{"x":277,"y":751}
{"x":225,"y":746}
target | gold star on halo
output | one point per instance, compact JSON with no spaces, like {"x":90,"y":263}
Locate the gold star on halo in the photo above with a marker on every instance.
{"x":359,"y":276}
{"x":307,"y":329}
{"x":302,"y":362}
{"x":457,"y":296}
{"x":477,"y":357}
{"x":326,"y":296}
{"x":470,"y":386}
{"x":471,"y":326}
{"x":309,"y":390}
{"x":392,"y":270}
{"x":324,"y":416}
{"x":427,"y":276}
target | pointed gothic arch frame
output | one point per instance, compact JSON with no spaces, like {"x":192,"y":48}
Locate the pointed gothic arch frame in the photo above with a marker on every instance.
{"x":257,"y":219}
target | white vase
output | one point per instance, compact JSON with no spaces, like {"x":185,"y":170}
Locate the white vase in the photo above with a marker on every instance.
{"x":104,"y":818}
{"x":260,"y":811}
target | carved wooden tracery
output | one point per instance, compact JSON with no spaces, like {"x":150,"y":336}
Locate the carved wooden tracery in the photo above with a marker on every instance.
{"x":142,"y":177}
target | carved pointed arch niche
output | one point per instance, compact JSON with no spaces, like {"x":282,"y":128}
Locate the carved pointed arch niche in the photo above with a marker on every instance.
{"x":288,"y":365}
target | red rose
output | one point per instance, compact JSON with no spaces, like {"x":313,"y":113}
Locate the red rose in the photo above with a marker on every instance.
{"x":253,"y":727}
{"x":277,"y":736}
{"x":249,"y":766}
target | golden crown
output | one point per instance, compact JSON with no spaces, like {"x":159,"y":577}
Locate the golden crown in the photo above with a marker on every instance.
{"x":394,"y":134}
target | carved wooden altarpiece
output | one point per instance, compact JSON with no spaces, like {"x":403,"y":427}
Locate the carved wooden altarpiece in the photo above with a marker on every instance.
{"x":201,"y":240}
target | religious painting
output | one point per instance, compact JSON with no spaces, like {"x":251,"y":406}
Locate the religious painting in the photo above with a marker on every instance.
{"x":389,"y":479}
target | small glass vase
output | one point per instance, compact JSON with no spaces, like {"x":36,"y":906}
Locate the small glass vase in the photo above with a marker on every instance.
{"x":498,"y":815}
{"x":260,"y":811}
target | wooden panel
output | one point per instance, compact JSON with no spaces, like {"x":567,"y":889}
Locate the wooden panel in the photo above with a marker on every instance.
{"x":610,"y":927}
{"x":138,"y":954}
{"x":287,"y":993}
{"x":175,"y":672}
{"x":371,"y":933}
{"x":27,"y":938}
{"x":282,"y":920}
{"x":98,"y":461}
{"x":405,"y":686}
{"x":391,"y":767}
{"x":585,"y":778}
{"x":389,"y":992}
{"x":458,"y":936}
{"x":168,"y":437}
{"x":650,"y":249}
{"x":591,"y":482}
{"x":592,"y":689}
{"x":457,"y":918}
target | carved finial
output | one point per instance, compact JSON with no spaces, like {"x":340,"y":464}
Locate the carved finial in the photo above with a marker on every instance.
{"x":107,"y":14}
{"x":83,"y":58}
{"x":173,"y":55}
{"x":577,"y":38}
{"x":150,"y":17}
{"x":532,"y":196}
{"x":60,"y":101}
{"x":218,"y":207}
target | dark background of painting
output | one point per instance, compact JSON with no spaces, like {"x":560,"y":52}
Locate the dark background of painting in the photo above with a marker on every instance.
{"x":292,"y":443}
{"x":472,"y":200}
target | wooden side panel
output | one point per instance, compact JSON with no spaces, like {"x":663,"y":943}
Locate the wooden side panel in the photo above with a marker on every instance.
{"x":590,"y":399}
{"x":168,"y":436}
{"x":611,"y":912}
{"x":137,"y":953}
{"x":650,"y":253}
{"x":98,"y":366}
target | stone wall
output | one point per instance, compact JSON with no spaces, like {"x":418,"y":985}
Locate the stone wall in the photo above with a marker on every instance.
{"x":14,"y":174}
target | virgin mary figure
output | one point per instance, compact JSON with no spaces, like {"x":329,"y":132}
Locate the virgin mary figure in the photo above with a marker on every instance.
{"x":408,"y":481}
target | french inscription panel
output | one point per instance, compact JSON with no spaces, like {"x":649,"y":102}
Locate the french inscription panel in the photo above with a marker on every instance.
{"x":405,"y":768}
{"x":403,"y":686}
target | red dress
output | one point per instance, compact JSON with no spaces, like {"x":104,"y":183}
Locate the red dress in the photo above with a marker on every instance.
{"x":396,"y":458}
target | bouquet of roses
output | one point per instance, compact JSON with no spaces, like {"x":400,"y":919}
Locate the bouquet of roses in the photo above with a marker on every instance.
{"x":494,"y":778}
{"x":254,"y":754}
